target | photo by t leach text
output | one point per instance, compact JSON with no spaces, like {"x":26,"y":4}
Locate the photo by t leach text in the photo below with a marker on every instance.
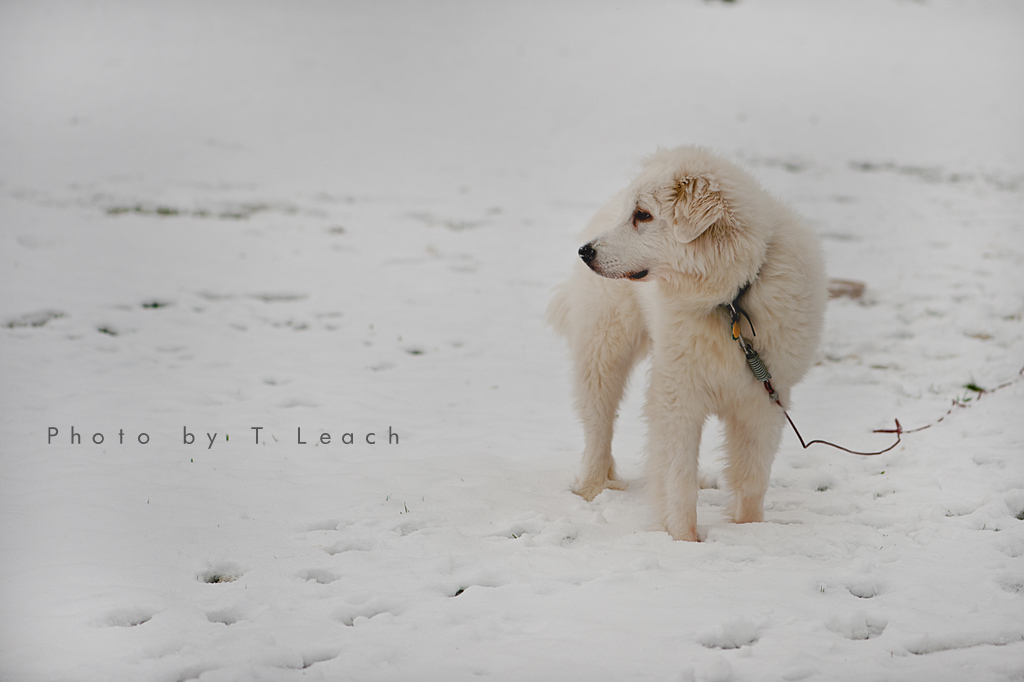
{"x":71,"y":436}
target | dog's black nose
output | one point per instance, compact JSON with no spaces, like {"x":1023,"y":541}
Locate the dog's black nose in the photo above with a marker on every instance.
{"x":587,"y":253}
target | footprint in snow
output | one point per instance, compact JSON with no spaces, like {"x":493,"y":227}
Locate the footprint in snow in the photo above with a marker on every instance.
{"x":129,"y":617}
{"x":36,"y":319}
{"x":357,"y":614}
{"x":858,"y":626}
{"x":865,"y":589}
{"x":311,"y":658}
{"x":221,"y":573}
{"x":227,"y":616}
{"x":319,"y":575}
{"x":733,"y":634}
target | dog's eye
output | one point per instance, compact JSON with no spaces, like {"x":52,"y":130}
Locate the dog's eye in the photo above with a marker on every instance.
{"x":641,"y":216}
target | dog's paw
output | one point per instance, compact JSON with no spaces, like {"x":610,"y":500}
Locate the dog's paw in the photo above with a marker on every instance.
{"x":686,"y":537}
{"x":686,"y":532}
{"x":588,"y":490}
{"x":708,"y":480}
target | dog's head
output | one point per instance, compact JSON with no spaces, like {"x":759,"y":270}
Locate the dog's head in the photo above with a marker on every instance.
{"x":678,"y":209}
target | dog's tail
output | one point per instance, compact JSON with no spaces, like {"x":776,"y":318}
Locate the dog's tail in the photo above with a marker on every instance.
{"x":558,"y":310}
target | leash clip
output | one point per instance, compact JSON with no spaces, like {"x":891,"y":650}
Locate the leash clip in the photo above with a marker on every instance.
{"x":754,"y":361}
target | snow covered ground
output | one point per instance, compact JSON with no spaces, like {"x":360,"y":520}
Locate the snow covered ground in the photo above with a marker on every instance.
{"x":346,"y":218}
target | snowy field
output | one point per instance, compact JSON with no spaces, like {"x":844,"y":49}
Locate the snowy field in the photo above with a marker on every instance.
{"x":346,"y":219}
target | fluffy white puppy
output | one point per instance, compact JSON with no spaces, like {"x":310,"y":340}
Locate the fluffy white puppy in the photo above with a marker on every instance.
{"x":665,"y":257}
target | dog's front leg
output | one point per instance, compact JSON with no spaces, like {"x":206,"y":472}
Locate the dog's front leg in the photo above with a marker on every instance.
{"x":673,"y":449}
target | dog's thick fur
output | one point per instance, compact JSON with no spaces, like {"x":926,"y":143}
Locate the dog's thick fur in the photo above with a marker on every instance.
{"x":664,"y":255}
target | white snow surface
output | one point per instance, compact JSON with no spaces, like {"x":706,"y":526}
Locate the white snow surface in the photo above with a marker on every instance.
{"x":346,"y":218}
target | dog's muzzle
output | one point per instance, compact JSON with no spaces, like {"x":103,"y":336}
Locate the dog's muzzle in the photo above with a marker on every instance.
{"x":589,"y":255}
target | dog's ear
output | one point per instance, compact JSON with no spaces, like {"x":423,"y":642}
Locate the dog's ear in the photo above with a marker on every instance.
{"x":697,"y":205}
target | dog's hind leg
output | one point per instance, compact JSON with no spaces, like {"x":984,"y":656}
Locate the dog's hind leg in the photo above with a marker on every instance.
{"x":608,"y":339}
{"x":752,"y":437}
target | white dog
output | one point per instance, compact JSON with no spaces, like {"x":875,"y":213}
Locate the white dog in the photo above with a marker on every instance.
{"x":666,"y":258}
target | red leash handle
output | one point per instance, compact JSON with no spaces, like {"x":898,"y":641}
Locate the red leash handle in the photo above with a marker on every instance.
{"x":899,"y":431}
